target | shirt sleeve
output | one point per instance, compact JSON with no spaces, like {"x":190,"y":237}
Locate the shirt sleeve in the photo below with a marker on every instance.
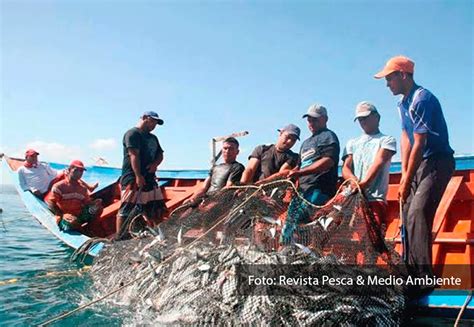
{"x":330,"y":148}
{"x":292,"y":160}
{"x":159,"y":149}
{"x":50,"y":171}
{"x":236,"y":173}
{"x":257,"y":153}
{"x":132,"y":139}
{"x":347,"y":150}
{"x":389,"y":143}
{"x":22,"y":180}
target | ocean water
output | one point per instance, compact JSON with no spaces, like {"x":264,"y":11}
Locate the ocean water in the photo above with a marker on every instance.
{"x":37,"y":279}
{"x":38,"y":282}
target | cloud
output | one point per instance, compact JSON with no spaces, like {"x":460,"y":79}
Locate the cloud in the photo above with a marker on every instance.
{"x":53,"y":151}
{"x":104,"y":144}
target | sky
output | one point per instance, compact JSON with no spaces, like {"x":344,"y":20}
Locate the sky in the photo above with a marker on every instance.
{"x":76,"y":75}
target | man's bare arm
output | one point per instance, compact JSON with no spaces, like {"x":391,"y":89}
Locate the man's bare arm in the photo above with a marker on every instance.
{"x":382,"y":157}
{"x":348,"y":168}
{"x":249,"y":172}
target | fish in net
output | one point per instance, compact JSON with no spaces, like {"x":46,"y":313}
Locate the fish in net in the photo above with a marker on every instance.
{"x":196,"y":269}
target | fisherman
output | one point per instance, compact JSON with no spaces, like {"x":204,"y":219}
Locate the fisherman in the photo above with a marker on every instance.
{"x":367,"y":160}
{"x":225,"y":174}
{"x":317,"y":173}
{"x":427,"y":160}
{"x":38,"y":177}
{"x":70,"y":202}
{"x":142,"y":154}
{"x":267,"y":160}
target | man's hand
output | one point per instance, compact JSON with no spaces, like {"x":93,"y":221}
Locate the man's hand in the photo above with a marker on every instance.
{"x":404,"y":191}
{"x":93,"y":186}
{"x":151,"y":168}
{"x":294,"y":174}
{"x":140,"y":181}
{"x":363,"y":184}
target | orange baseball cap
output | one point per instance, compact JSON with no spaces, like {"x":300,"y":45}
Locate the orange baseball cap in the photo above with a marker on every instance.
{"x":397,"y":64}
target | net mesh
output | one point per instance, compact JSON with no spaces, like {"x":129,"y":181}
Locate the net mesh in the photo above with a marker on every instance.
{"x":188,"y":271}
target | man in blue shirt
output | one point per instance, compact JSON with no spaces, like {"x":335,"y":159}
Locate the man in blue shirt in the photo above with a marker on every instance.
{"x":427,"y":159}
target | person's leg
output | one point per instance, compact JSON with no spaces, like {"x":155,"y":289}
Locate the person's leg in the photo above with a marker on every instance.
{"x":428,"y":187}
{"x":379,"y":209}
{"x":128,"y":199}
{"x":154,"y":205}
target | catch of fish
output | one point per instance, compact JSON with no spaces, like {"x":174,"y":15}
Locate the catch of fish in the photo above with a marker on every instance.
{"x":180,"y":278}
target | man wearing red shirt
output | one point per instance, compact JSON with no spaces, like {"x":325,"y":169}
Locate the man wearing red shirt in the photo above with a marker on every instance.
{"x":70,"y":201}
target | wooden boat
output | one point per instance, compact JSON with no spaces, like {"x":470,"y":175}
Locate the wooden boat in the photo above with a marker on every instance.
{"x":176,"y":185}
{"x":453,"y":228}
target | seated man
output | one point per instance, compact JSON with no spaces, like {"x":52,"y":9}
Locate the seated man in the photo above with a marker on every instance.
{"x":38,"y":177}
{"x":267,"y":160}
{"x":367,"y":159}
{"x":225,"y":174}
{"x":69,"y":200}
{"x":35,"y":176}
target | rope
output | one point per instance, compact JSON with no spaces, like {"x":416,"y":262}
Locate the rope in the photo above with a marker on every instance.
{"x":295,"y":189}
{"x":65,"y":273}
{"x":62,"y":316}
{"x":127,"y":221}
{"x":468,"y":299}
{"x":257,"y":189}
{"x":68,"y":313}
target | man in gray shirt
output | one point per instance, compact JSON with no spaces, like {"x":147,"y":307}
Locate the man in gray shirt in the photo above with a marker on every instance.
{"x":225,"y":174}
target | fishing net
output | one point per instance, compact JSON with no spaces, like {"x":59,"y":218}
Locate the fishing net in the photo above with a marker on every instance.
{"x":207,"y":264}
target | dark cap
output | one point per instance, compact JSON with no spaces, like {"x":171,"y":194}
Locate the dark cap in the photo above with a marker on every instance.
{"x":154,"y":116}
{"x":291,"y":129}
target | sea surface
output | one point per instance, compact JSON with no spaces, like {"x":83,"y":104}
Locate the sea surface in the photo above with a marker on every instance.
{"x":38,"y":282}
{"x":37,"y":279}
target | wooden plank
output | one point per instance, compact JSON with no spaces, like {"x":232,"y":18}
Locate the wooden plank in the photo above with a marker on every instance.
{"x":445,"y":203}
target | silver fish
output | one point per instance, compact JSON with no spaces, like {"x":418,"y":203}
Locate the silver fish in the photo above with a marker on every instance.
{"x":272,"y":221}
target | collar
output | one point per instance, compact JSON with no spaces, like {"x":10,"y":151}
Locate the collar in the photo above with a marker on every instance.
{"x":409,"y":98}
{"x":28,"y":165}
{"x":320,"y":131}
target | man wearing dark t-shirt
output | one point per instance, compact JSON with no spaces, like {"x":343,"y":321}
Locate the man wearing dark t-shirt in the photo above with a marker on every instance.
{"x":225,"y":174}
{"x":142,"y":154}
{"x":317,"y":175}
{"x":267,"y":160}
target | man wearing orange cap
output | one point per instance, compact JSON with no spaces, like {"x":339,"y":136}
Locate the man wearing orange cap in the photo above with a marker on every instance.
{"x":69,"y":199}
{"x":35,"y":176}
{"x":427,"y":159}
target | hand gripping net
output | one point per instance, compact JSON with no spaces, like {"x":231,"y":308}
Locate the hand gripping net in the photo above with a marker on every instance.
{"x":189,"y":272}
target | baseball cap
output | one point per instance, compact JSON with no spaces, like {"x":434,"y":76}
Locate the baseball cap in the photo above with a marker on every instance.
{"x":291,"y":129}
{"x":364,"y":109}
{"x":31,"y":152}
{"x":153,"y":115}
{"x":316,"y":111}
{"x":78,"y":164}
{"x":397,"y":64}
